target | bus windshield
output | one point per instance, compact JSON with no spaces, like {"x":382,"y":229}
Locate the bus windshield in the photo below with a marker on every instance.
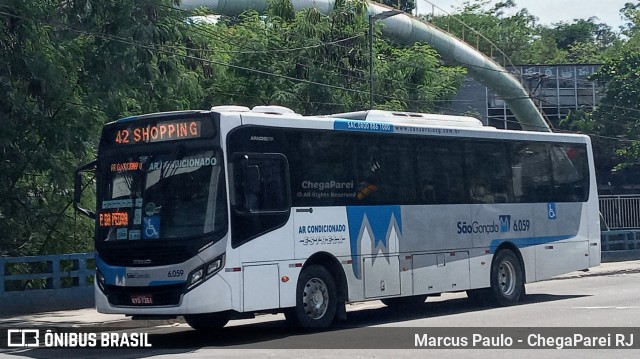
{"x":178,"y":194}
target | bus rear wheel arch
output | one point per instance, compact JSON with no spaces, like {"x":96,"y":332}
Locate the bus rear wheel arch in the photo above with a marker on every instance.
{"x":507,"y":278}
{"x":507,"y":281}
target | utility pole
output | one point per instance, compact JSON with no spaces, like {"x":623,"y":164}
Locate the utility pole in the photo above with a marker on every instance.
{"x":372,"y":18}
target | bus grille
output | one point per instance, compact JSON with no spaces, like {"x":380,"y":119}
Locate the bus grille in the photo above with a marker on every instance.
{"x":145,"y":257}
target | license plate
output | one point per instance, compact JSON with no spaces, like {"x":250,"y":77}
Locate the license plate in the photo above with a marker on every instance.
{"x":141,"y":299}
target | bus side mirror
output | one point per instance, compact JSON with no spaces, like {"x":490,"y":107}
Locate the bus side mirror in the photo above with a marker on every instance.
{"x":78,"y":188}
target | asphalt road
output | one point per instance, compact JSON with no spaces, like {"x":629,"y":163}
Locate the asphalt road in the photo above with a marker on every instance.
{"x":577,"y":303}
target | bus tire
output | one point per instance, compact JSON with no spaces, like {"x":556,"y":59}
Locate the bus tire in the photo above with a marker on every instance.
{"x":207,"y":321}
{"x":507,"y":279}
{"x":316,"y":299}
{"x":405,"y":303}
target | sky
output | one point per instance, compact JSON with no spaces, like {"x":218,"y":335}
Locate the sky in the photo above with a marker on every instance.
{"x":551,"y":11}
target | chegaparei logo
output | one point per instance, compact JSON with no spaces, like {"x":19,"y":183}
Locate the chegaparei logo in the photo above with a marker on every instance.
{"x":503,"y":225}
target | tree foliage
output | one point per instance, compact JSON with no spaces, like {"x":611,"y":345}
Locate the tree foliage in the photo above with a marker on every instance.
{"x":615,"y":123}
{"x":69,"y":66}
{"x":404,"y":5}
{"x":516,"y":37}
{"x":505,"y":38}
{"x":314,"y":63}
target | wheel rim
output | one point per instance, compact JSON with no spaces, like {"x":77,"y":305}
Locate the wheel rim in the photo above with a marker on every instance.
{"x":315,"y":298}
{"x":507,"y":278}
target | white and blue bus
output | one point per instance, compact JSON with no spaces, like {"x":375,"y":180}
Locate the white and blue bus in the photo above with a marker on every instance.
{"x":221,"y":214}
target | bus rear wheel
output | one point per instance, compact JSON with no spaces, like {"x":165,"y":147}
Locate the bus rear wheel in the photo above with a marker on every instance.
{"x":507,"y":279}
{"x":207,"y":321}
{"x":316,"y":299}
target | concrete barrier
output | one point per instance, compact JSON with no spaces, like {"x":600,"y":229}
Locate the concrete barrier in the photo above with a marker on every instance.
{"x":620,"y":256}
{"x":46,"y":283}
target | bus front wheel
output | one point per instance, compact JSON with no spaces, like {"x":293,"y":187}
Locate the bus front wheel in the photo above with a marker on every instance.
{"x":507,"y":279}
{"x":207,"y":321}
{"x":316,"y":299}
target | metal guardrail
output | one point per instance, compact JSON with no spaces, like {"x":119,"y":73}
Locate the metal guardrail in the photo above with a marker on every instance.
{"x":46,"y":272}
{"x":621,"y":211}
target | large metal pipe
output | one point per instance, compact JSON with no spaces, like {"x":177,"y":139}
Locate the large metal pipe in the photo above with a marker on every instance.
{"x":407,"y":29}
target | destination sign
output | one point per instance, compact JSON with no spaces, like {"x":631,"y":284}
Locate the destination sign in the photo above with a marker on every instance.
{"x":161,"y":131}
{"x":126,"y":166}
{"x":113,"y":219}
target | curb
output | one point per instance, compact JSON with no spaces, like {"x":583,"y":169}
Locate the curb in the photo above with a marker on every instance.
{"x":575,"y":275}
{"x":134,"y":324}
{"x":120,"y":324}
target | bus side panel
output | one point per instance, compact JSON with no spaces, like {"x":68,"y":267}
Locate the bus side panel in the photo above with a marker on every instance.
{"x":562,"y":238}
{"x":261,"y":287}
{"x":321,"y":229}
{"x":441,"y":272}
{"x":273,"y":251}
{"x":593,"y":220}
{"x":327,"y":230}
{"x":592,"y":215}
{"x":434,"y":228}
{"x":490,"y":225}
{"x":479,"y":267}
{"x":272,"y":246}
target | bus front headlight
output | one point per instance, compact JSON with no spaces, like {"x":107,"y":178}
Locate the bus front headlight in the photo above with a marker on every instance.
{"x":205,"y":272}
{"x":195,"y":277}
{"x":214,"y":266}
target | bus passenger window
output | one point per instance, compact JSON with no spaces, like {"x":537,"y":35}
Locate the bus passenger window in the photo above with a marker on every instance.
{"x":385,"y":173}
{"x":488,"y":175}
{"x":440,"y":173}
{"x":260,"y":183}
{"x":570,"y":173}
{"x":531,"y":171}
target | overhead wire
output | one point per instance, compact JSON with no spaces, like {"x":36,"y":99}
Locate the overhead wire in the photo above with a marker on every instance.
{"x":362,"y":79}
{"x":158,"y":48}
{"x":135,"y":43}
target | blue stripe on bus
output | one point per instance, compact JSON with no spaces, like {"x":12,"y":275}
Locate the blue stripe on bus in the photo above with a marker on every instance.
{"x":363,"y":126}
{"x":528,"y":241}
{"x":113,"y":275}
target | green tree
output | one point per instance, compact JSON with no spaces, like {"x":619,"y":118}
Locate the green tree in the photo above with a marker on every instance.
{"x":43,"y":134}
{"x":615,"y":123}
{"x":319,"y":64}
{"x":505,"y":38}
{"x":617,"y":116}
{"x":584,"y":40}
{"x":519,"y":39}
{"x":404,"y":5}
{"x":68,"y":67}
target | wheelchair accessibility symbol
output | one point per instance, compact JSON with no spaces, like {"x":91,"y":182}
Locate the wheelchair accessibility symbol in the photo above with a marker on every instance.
{"x":151,"y":227}
{"x":551,"y":210}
